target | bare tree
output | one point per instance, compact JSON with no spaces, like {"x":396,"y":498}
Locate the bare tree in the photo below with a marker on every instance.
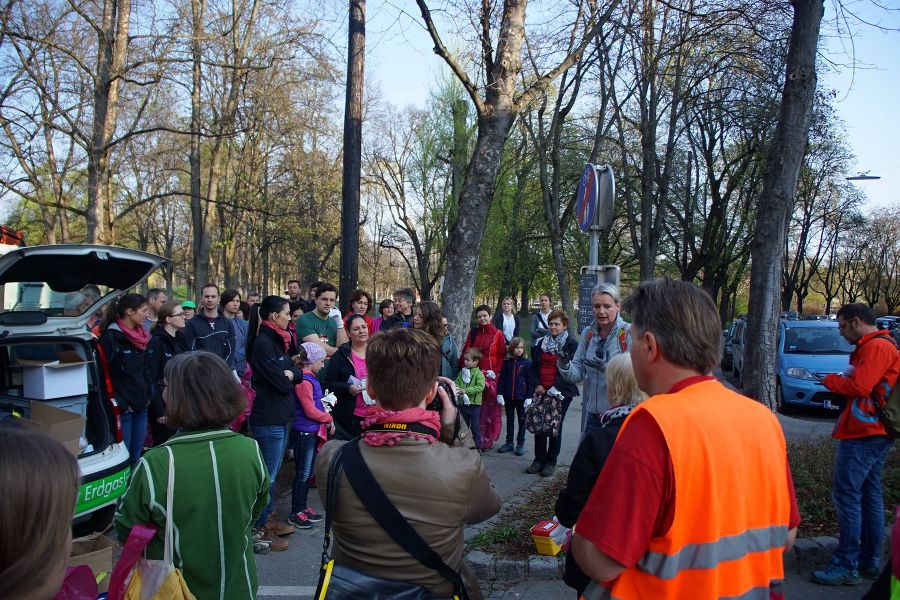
{"x":779,"y":186}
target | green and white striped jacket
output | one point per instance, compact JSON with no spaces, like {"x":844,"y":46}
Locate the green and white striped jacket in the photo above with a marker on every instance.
{"x":221,"y":486}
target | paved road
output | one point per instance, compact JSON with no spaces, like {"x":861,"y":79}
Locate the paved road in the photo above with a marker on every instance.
{"x":294,"y":573}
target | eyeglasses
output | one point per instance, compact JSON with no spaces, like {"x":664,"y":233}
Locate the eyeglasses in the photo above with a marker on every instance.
{"x":181,"y":314}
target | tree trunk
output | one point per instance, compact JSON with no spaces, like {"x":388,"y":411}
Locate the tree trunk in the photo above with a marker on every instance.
{"x":779,"y":187}
{"x":352,"y":152}
{"x":467,"y":233}
{"x":112,"y":44}
{"x":199,"y":209}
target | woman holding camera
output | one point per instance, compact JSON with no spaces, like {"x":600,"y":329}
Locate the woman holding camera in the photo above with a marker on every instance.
{"x":557,"y":346}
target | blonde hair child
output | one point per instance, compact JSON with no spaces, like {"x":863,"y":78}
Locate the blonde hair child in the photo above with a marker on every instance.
{"x":621,"y":386}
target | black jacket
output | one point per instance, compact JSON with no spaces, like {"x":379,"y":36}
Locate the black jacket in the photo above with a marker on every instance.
{"x":274,"y":403}
{"x":160,"y":350}
{"x":218,"y":339}
{"x":396,"y":320}
{"x":127,"y":369}
{"x":337,"y":371}
{"x":586,"y":466}
{"x":498,"y":323}
{"x":569,"y":390}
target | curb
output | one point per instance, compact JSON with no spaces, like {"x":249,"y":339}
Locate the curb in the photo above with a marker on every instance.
{"x":807,"y":552}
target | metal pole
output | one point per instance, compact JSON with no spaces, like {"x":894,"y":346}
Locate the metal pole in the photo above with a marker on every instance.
{"x":352,"y":151}
{"x":594,"y":248}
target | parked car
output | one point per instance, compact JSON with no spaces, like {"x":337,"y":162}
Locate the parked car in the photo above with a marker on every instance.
{"x":887,"y":323}
{"x":727,"y":349}
{"x":48,"y":294}
{"x":806,"y":352}
{"x":737,"y":350}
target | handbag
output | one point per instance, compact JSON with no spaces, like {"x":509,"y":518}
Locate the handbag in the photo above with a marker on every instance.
{"x":150,"y":579}
{"x":544,"y":416}
{"x":340,"y":582}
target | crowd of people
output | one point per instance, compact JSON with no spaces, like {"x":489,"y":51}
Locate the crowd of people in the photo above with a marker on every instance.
{"x":217,"y":401}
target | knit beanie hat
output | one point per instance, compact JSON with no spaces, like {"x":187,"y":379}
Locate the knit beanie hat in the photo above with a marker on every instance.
{"x":314,"y":352}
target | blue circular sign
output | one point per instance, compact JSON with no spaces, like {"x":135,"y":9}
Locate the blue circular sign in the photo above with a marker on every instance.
{"x":586,"y":197}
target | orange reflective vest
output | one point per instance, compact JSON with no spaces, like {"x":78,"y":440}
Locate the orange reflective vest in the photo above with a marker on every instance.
{"x":732,"y":506}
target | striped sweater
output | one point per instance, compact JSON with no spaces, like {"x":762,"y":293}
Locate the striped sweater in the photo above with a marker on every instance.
{"x":221,"y":486}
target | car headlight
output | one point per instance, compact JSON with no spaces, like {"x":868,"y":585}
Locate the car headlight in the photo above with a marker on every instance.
{"x":801,"y":373}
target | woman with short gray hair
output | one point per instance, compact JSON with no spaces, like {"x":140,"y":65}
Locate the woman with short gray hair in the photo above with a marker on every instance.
{"x":607,"y":336}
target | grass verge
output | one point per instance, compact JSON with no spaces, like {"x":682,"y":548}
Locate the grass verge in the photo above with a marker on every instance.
{"x":510,"y":536}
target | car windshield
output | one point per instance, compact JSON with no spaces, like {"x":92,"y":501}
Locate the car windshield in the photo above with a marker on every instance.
{"x":38,"y":296}
{"x":815,"y":340}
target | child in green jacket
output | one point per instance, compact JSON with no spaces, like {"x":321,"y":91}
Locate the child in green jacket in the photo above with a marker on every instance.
{"x":470,"y":384}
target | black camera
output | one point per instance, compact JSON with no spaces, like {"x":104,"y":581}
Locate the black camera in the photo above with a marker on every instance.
{"x":436,"y":404}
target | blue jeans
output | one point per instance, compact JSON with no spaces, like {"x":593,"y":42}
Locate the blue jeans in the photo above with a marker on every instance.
{"x":859,"y":501}
{"x":271,"y":440}
{"x":304,"y":445}
{"x":134,"y":430}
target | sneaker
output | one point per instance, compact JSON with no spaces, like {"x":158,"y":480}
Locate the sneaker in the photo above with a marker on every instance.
{"x":300,"y":521}
{"x":534,"y":468}
{"x":870,"y":572}
{"x":520,"y":450}
{"x":507,"y":447}
{"x":836,"y":575}
{"x":548,"y":470}
{"x":312,"y":515}
{"x":278,"y":527}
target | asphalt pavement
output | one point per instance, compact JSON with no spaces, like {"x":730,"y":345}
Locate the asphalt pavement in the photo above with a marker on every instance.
{"x":294,"y":572}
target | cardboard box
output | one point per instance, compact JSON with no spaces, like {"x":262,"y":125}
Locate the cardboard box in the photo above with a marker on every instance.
{"x":67,"y":376}
{"x":63,"y":426}
{"x":95,"y":551}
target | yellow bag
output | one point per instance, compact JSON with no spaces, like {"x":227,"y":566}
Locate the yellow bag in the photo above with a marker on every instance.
{"x":137,"y":578}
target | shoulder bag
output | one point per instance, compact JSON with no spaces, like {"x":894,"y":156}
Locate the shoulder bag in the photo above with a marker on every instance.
{"x":150,"y":579}
{"x":340,"y":582}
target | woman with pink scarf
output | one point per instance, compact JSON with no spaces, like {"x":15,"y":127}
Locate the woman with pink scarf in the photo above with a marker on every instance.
{"x":124,"y":341}
{"x":424,"y":460}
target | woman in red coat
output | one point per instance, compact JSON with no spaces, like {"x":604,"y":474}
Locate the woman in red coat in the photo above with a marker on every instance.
{"x":492,"y":344}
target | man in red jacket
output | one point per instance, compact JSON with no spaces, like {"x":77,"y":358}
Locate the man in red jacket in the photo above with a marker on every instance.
{"x":863,"y":445}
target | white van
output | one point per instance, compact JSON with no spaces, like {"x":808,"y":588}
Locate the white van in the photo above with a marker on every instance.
{"x":48,"y":294}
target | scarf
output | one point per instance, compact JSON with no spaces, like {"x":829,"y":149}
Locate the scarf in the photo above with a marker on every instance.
{"x":283,"y":334}
{"x":138,"y":336}
{"x":554,"y":345}
{"x":616,"y":412}
{"x":375,"y":415}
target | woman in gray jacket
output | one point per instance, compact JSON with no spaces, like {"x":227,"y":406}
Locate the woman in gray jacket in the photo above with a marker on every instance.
{"x":606,"y":337}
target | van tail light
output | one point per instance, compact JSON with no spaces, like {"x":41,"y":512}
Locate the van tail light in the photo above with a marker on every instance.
{"x":107,"y":380}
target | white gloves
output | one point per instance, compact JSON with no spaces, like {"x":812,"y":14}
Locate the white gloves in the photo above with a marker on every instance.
{"x":561,"y":535}
{"x":528,"y":402}
{"x":490,"y":374}
{"x":329,"y":400}
{"x":466,"y":401}
{"x":500,"y":400}
{"x":236,"y":377}
{"x":335,"y":314}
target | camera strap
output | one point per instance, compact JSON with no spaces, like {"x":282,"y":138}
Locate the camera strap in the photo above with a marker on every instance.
{"x":403,"y":427}
{"x":391,"y":520}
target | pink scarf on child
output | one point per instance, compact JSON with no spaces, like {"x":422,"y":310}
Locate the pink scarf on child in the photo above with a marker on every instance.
{"x":379,"y":416}
{"x":138,"y":336}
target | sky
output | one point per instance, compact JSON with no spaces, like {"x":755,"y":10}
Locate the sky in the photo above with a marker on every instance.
{"x":400,"y":61}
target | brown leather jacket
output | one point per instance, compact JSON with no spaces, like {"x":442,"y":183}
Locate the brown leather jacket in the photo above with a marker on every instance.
{"x":437,"y":487}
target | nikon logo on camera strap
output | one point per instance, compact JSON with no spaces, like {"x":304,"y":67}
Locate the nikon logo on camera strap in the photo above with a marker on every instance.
{"x":403,"y":427}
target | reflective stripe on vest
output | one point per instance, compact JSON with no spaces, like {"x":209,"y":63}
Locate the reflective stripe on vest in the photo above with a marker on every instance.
{"x":708,"y":556}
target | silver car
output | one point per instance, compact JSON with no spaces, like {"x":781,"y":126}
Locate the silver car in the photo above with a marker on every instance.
{"x":48,"y":297}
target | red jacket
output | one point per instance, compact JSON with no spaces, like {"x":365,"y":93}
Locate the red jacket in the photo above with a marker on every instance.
{"x":492,"y":344}
{"x":876,"y":364}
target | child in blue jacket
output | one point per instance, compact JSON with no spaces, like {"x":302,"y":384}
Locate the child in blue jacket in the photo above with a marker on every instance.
{"x":515,"y":386}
